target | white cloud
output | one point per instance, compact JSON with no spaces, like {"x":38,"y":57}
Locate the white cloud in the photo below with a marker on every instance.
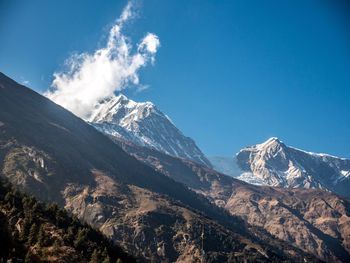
{"x":150,"y":42}
{"x":90,"y":78}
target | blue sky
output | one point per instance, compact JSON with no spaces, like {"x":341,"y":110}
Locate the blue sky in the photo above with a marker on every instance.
{"x":228,"y":73}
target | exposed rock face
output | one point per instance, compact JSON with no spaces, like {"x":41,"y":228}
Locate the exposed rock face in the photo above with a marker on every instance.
{"x":51,"y":153}
{"x":145,"y":125}
{"x":275,"y":164}
{"x":312,"y":220}
{"x":134,"y":217}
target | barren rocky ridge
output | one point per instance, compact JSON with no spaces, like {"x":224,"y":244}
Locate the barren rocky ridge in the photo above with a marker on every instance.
{"x":313,"y":220}
{"x":47,"y":151}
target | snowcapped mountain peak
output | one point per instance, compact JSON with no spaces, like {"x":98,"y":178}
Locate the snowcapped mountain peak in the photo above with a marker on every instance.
{"x":122,"y":99}
{"x":110,"y":110}
{"x":269,"y":150}
{"x":272,"y":140}
{"x":273,"y":144}
{"x":144,"y":124}
{"x":276,"y":164}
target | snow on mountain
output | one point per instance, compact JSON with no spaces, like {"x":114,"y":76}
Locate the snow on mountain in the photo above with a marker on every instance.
{"x":144,"y":124}
{"x":275,"y":164}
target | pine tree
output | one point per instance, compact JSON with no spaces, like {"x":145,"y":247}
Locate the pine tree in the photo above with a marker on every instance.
{"x":25,"y":228}
{"x":41,"y":237}
{"x":69,"y":236}
{"x":107,"y":259}
{"x":33,"y":232}
{"x":105,"y":256}
{"x":28,"y":258}
{"x":56,"y":244}
{"x":104,"y":253}
{"x":95,"y":257}
{"x":81,"y":237}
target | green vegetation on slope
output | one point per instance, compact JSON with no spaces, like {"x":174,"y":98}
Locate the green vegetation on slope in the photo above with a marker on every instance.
{"x":34,"y":232}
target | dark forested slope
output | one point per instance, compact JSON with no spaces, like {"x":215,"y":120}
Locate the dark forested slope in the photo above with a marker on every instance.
{"x":35,"y":232}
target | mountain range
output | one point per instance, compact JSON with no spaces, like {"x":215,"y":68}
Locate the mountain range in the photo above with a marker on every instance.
{"x":47,"y":151}
{"x":274,"y":163}
{"x":240,"y":199}
{"x":313,"y":220}
{"x":156,"y":205}
{"x":270,"y":163}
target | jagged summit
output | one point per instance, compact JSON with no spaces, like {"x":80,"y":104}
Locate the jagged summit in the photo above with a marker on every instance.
{"x":273,"y":140}
{"x":270,"y":148}
{"x":108,"y":110}
{"x":144,"y":124}
{"x":276,"y":164}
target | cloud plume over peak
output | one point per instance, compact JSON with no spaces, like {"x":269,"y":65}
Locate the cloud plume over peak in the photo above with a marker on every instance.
{"x":90,"y":78}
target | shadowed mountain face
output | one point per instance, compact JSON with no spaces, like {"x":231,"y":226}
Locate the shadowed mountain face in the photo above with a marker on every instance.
{"x":51,"y":153}
{"x":64,"y":149}
{"x":315,"y":221}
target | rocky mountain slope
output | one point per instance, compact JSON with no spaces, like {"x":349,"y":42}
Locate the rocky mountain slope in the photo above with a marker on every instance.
{"x":276,"y":164}
{"x":313,"y":220}
{"x":34,"y":232}
{"x":49,"y":152}
{"x":136,"y":218}
{"x":144,"y":124}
